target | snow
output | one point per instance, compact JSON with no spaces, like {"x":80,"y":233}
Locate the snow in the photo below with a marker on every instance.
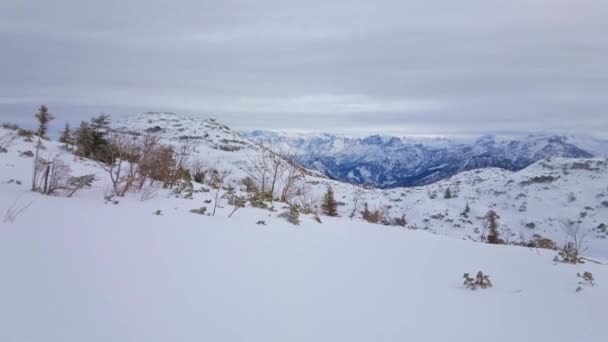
{"x":79,"y":269}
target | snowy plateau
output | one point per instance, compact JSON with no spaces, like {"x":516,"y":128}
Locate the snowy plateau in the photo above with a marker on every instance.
{"x":144,"y":267}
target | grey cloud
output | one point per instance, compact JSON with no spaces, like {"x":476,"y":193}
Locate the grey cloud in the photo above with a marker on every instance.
{"x":444,"y":67}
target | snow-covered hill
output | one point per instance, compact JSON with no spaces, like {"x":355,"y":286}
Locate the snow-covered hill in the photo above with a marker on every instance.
{"x":214,"y":143}
{"x":145,"y":268}
{"x":387,"y":162}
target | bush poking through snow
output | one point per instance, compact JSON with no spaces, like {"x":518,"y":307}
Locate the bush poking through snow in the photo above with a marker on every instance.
{"x":538,"y":241}
{"x":238,"y":202}
{"x":399,"y":221}
{"x":200,"y":211}
{"x":587,"y":279}
{"x":481,"y":281}
{"x":78,"y":183}
{"x":375,"y":216}
{"x":292,"y":215}
{"x":571,"y":252}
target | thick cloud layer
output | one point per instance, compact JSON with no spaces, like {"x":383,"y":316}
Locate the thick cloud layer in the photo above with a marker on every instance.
{"x":417,"y":67}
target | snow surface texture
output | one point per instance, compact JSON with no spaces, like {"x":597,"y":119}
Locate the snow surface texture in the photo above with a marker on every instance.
{"x":79,"y":269}
{"x":388,"y":162}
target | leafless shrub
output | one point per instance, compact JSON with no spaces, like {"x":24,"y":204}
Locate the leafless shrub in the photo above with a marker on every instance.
{"x":148,"y":191}
{"x":238,"y":202}
{"x":197,"y":171}
{"x":274,"y":174}
{"x":373,"y":216}
{"x":575,"y":245}
{"x":14,"y":210}
{"x":216,"y":182}
{"x":6,"y":140}
{"x":122,"y":153}
{"x":304,"y":199}
{"x":357,"y":198}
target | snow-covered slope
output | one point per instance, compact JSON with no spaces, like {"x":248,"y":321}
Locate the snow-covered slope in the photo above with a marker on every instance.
{"x":387,"y":162}
{"x":84,"y":269}
{"x":214,"y":143}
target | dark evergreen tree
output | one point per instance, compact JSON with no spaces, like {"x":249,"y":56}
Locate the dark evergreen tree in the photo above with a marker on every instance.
{"x":492,"y":225}
{"x":66,"y":136}
{"x":44,"y":117}
{"x":90,"y":139}
{"x":329,"y":205}
{"x":447,"y":194}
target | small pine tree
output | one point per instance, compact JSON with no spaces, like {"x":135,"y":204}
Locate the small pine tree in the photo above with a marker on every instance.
{"x":466,"y":211}
{"x":492,"y":225}
{"x":447,"y":194}
{"x":44,"y":117}
{"x":66,"y":136}
{"x":329,"y":205}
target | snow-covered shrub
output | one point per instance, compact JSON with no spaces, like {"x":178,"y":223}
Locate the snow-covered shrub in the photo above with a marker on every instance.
{"x":399,"y":221}
{"x":6,"y":140}
{"x":539,"y":241}
{"x":258,"y":200}
{"x":237,"y":202}
{"x":26,"y":154}
{"x":574,"y":247}
{"x":569,"y":254}
{"x":27,"y":134}
{"x":292,"y":215}
{"x":481,"y":281}
{"x":375,"y":216}
{"x":261,"y":222}
{"x":250,"y":185}
{"x":540,"y":180}
{"x":200,"y":211}
{"x":10,"y":126}
{"x":587,"y":279}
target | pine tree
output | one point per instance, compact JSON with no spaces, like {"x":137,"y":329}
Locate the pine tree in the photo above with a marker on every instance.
{"x":492,"y":225}
{"x":90,"y":138}
{"x":329,"y":205}
{"x":466,"y":211}
{"x":447,"y":194}
{"x":66,"y":136}
{"x":44,"y":117}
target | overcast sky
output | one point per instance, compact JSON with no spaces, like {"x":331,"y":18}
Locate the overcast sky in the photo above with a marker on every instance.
{"x":413,"y":67}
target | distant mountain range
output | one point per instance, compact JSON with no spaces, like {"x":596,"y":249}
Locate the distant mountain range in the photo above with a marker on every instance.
{"x":388,"y":161}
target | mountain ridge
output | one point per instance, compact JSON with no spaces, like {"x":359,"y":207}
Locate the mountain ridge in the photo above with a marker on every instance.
{"x":389,"y":161}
